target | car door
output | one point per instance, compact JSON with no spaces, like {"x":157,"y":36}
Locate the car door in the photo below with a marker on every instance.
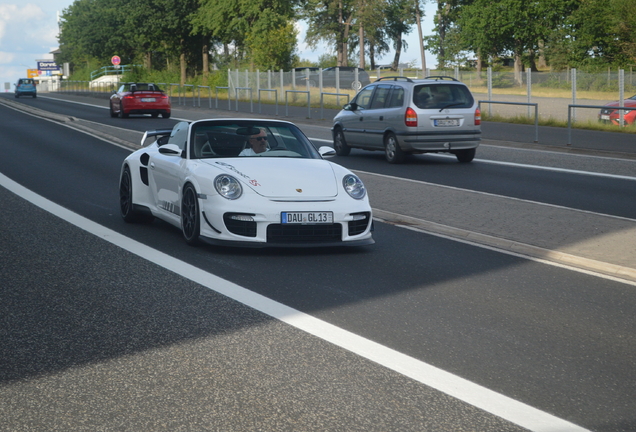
{"x":166,"y":171}
{"x":354,"y":116}
{"x":374,"y":122}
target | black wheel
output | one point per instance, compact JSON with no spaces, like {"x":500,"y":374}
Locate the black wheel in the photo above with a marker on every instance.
{"x":17,"y":95}
{"x":34,"y":96}
{"x":112,"y":111}
{"x":465,"y":156}
{"x":340,"y":144}
{"x":190,"y":218}
{"x":392,"y":151}
{"x":122,"y":114}
{"x":154,"y":115}
{"x":126,"y":207}
{"x":165,"y":115}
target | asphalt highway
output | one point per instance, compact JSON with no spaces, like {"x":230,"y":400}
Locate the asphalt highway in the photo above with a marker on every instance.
{"x":130,"y":329}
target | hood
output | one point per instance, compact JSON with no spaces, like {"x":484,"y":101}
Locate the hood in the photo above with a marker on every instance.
{"x":628,"y":103}
{"x":282,"y":178}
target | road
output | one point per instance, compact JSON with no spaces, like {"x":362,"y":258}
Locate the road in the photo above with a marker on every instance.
{"x":126,"y":329}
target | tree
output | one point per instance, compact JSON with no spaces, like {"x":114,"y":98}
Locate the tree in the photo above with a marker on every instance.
{"x":252,"y":27}
{"x":330,"y":21}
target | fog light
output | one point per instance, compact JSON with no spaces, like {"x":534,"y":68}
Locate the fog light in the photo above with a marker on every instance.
{"x":242,"y":218}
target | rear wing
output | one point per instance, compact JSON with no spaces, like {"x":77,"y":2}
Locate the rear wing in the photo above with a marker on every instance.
{"x":160,"y":133}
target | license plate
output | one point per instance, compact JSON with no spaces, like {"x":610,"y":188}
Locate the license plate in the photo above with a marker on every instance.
{"x":447,"y":122}
{"x":605,"y":117}
{"x":306,"y":218}
{"x":148,"y":99}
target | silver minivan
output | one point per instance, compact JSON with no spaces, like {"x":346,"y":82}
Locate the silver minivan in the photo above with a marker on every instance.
{"x":401,"y":116}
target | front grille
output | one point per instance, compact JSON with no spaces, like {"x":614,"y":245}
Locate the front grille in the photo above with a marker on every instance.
{"x":291,"y":233}
{"x":358,"y":226}
{"x":239,"y":227}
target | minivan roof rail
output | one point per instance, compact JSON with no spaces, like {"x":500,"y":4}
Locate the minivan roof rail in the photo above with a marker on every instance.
{"x":395,"y":78}
{"x":441,"y":77}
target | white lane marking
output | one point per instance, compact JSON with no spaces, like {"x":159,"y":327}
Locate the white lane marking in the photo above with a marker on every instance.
{"x":495,"y":195}
{"x":487,"y":400}
{"x":545,"y":168}
{"x":538,"y":167}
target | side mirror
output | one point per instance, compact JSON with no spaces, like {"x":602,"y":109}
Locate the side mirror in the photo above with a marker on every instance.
{"x":350,"y":106}
{"x":170,"y":150}
{"x":326,"y":151}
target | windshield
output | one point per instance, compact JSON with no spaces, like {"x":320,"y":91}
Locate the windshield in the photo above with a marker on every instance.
{"x":442,"y":96}
{"x":228,"y":139}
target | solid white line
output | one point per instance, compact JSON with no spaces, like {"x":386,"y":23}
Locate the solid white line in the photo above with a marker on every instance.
{"x":537,"y":167}
{"x":494,"y":195}
{"x":545,"y":168}
{"x":494,"y":403}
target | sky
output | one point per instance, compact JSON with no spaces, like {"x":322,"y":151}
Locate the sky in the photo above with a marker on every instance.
{"x":28,"y":32}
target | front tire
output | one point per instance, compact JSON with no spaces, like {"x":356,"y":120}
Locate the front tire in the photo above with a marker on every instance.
{"x":190,"y":216}
{"x":465,"y":156}
{"x":165,"y":115}
{"x":126,"y":206}
{"x":392,"y":151}
{"x":340,"y":144}
{"x":112,"y":111}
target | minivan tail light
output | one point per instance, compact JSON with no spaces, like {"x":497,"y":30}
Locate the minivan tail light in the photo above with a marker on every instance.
{"x":477,"y":117}
{"x":410,"y":118}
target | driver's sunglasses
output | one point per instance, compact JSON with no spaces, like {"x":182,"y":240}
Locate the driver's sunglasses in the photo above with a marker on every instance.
{"x":260,"y":138}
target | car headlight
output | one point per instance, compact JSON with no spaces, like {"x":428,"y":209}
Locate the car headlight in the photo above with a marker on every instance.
{"x":354,"y":186}
{"x":228,"y":187}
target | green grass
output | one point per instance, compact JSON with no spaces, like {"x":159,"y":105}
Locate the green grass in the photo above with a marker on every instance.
{"x":588,"y":125}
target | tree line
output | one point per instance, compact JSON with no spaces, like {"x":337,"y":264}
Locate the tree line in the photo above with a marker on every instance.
{"x":189,"y":35}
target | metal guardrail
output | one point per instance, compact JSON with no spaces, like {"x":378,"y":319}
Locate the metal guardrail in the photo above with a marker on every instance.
{"x":216,"y":96}
{"x":570,"y":106}
{"x":322,"y":105}
{"x":249,"y":89}
{"x":275,"y":98}
{"x":536,"y":113}
{"x":308,"y":102}
{"x":112,"y":70}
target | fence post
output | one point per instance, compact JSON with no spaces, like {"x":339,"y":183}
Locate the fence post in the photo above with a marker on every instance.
{"x":573,"y":72}
{"x":529,"y":87}
{"x":282,"y":82}
{"x":621,"y":95}
{"x":489,"y":90}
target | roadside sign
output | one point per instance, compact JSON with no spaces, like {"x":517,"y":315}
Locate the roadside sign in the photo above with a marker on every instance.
{"x":115,"y":60}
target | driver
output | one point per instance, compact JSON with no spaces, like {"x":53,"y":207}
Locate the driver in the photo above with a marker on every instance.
{"x":257,"y":144}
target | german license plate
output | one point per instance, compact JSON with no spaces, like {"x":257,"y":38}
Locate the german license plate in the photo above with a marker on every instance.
{"x":306,"y":218}
{"x":605,"y":117}
{"x":447,"y":122}
{"x":148,"y":99}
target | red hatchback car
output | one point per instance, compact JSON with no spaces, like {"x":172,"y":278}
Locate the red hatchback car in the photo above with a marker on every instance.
{"x":612,"y":115}
{"x":139,"y":98}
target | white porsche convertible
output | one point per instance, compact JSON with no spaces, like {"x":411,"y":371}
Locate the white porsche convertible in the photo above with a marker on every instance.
{"x":245,"y":183}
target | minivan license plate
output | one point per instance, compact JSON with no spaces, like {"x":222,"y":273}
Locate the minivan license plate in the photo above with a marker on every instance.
{"x":447,"y":122}
{"x":306,"y":218}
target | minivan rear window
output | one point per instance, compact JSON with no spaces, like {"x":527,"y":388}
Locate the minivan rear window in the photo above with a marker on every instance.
{"x":442,"y":96}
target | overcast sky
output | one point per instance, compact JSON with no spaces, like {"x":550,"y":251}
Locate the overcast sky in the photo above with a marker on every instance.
{"x":28,"y":32}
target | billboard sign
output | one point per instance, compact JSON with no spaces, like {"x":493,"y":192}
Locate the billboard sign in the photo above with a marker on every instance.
{"x":32,"y":73}
{"x":48,"y":66}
